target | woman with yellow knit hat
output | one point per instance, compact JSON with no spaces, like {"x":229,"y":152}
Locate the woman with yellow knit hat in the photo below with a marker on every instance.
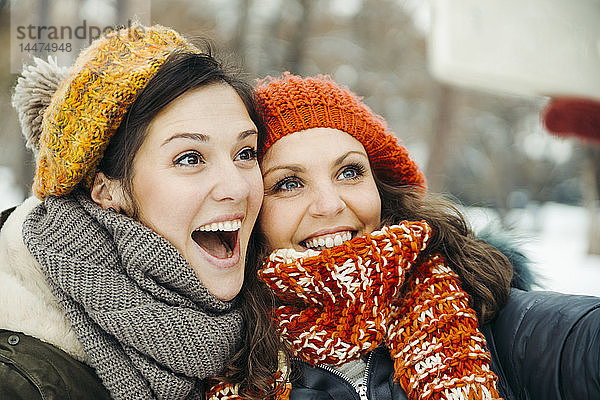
{"x":384,"y":291}
{"x":124,"y":276}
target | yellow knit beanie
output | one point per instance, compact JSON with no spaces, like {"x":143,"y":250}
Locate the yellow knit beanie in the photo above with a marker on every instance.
{"x":89,"y":104}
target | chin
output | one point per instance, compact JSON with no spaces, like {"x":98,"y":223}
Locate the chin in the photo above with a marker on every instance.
{"x":225,"y":295}
{"x":226,"y":290}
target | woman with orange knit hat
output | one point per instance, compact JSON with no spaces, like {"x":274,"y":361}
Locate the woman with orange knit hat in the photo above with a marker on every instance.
{"x":124,"y":277}
{"x":384,"y":290}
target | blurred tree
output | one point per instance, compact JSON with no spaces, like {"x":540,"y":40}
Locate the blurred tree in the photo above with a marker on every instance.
{"x":591,"y":200}
{"x":297,"y":44}
{"x":440,"y":140}
{"x":13,"y":153}
{"x":241,"y":33}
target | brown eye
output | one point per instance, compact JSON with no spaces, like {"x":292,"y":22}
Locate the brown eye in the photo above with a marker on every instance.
{"x":191,"y":158}
{"x":246,"y":154}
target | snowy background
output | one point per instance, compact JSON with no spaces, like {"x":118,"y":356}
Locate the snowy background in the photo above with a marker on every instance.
{"x":552,"y":235}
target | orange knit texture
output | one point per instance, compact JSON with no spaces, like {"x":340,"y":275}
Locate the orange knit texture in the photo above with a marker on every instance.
{"x":344,"y":292}
{"x":88,"y":106}
{"x":437,"y":348}
{"x":343,"y":302}
{"x":292,"y":104}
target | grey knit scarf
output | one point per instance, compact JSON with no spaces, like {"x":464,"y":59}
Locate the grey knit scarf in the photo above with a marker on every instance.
{"x":149,"y":327}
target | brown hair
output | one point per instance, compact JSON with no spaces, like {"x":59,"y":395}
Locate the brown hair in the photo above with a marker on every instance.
{"x":255,"y":364}
{"x":484,"y":271}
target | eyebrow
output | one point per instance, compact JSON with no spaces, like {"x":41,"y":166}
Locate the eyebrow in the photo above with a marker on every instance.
{"x":243,"y":135}
{"x":200,"y":137}
{"x":341,"y":158}
{"x":293,"y":168}
{"x":297,"y":168}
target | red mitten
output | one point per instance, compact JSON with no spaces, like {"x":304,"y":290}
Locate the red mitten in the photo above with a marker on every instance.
{"x":573,"y":117}
{"x":339,"y":298}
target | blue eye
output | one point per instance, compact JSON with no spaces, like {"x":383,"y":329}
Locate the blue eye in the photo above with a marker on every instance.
{"x":285,"y":186}
{"x":246,"y":154}
{"x":191,"y":158}
{"x":289,"y":185}
{"x":352,"y":171}
{"x":348,"y":174}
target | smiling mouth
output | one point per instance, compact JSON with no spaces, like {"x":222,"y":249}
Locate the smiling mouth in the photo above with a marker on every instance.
{"x":218,"y":239}
{"x":327,"y":241}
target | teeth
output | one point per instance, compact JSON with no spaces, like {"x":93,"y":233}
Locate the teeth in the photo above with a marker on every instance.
{"x":328,"y":241}
{"x":337,"y":240}
{"x":227,"y":226}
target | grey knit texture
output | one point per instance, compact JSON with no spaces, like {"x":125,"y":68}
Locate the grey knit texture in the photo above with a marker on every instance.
{"x":150,"y":328}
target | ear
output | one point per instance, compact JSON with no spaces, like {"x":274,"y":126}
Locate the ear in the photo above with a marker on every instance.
{"x":107,"y":192}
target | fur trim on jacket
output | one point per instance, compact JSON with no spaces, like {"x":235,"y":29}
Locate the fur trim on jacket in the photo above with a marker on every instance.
{"x":26,"y":302}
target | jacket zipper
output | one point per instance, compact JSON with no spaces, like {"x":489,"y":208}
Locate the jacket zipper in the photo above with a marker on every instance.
{"x":361,"y":388}
{"x":363,"y":385}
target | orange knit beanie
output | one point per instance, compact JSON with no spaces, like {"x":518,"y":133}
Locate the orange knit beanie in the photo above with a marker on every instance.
{"x":88,"y":106}
{"x":292,"y":104}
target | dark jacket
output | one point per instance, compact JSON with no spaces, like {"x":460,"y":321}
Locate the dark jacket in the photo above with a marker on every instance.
{"x":31,"y":369}
{"x":544,"y":346}
{"x":42,"y":364}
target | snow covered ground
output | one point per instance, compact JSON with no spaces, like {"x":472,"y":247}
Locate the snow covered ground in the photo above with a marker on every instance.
{"x":554,"y":236}
{"x":10,"y":195}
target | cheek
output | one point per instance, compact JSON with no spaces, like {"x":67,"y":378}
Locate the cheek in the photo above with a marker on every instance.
{"x":165,"y":206}
{"x":368,"y":207}
{"x":374,"y":217}
{"x":276,"y":224}
{"x":253,"y":202}
{"x":256,"y":192}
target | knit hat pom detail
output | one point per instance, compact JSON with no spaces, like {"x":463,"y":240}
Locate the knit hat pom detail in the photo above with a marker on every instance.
{"x":291,"y":104}
{"x":32,"y":95}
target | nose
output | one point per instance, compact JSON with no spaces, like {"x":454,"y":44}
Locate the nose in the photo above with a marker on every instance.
{"x":230,"y":183}
{"x":326,"y":202}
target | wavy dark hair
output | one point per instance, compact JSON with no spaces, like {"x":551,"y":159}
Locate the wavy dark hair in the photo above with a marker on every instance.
{"x":254,"y":366}
{"x":484,"y":271}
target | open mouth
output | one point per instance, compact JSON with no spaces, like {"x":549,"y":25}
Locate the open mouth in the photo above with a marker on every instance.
{"x":327,"y":241}
{"x":219,"y":238}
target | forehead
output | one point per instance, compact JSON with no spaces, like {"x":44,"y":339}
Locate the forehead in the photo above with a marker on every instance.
{"x":214,"y":108}
{"x":311,"y":145}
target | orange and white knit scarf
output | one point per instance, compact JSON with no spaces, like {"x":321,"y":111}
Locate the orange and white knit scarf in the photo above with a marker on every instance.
{"x":342,"y":302}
